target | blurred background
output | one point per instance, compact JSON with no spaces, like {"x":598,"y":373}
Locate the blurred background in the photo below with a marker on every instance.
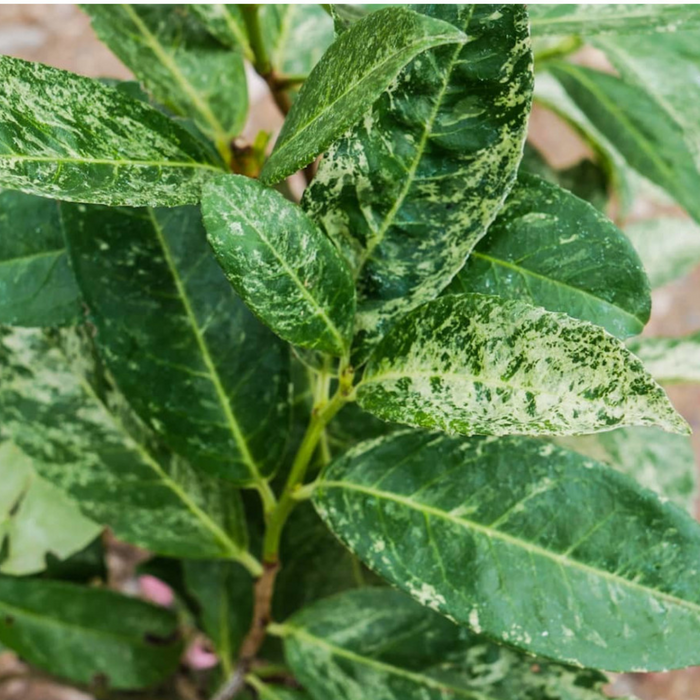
{"x":61,"y":36}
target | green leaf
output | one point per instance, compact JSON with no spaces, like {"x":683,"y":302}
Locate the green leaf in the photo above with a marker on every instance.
{"x":281,"y":263}
{"x":227,"y":24}
{"x":670,"y":360}
{"x":659,"y":461}
{"x":669,"y":248}
{"x":380,"y":638}
{"x":554,"y":250}
{"x":103,"y":459}
{"x":224,"y":594}
{"x":476,"y":364}
{"x":190,"y":358}
{"x":560,"y":19}
{"x":408,"y":193}
{"x":36,"y":519}
{"x":70,"y":137}
{"x":353,"y":426}
{"x":276,"y":692}
{"x":476,"y":529}
{"x":88,"y":635}
{"x":184,"y":67}
{"x":352,"y":74}
{"x":642,"y":128}
{"x":37,"y":287}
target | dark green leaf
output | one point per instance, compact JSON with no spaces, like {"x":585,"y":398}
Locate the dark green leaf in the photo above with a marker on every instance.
{"x":408,"y":193}
{"x":226,"y":23}
{"x":184,"y":67}
{"x":37,"y":288}
{"x":69,"y":137}
{"x":476,"y":364}
{"x":103,"y":459}
{"x":357,"y":68}
{"x":554,"y":250}
{"x":531,"y":544}
{"x":281,"y":263}
{"x":670,"y":360}
{"x":381,"y":639}
{"x":88,"y":635}
{"x":194,"y":363}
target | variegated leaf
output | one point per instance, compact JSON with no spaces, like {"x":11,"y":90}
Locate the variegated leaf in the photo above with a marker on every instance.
{"x":475,"y":364}
{"x":197,"y":367}
{"x":381,"y":639}
{"x":72,"y":138}
{"x":554,"y":250}
{"x":352,"y":74}
{"x":670,"y":360}
{"x":37,"y":287}
{"x":227,"y":24}
{"x":185,"y":68}
{"x":533,"y":545}
{"x":411,"y":189}
{"x":281,"y":263}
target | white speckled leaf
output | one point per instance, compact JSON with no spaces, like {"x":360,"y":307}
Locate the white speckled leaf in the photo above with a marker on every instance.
{"x":659,"y":461}
{"x":381,"y":639}
{"x":72,"y":138}
{"x":36,"y":519}
{"x":552,"y":20}
{"x":530,"y":544}
{"x":551,"y":249}
{"x":411,"y":189}
{"x":185,"y":68}
{"x":37,"y":287}
{"x":475,"y":364}
{"x":670,"y":360}
{"x":669,"y":248}
{"x":194,"y":363}
{"x":227,"y":24}
{"x":81,"y":439}
{"x":281,"y":263}
{"x":352,"y":74}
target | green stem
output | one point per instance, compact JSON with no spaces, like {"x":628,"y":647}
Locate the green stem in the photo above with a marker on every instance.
{"x":251,"y":16}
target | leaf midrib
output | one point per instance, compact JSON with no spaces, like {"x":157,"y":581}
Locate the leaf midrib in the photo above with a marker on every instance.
{"x":605,"y":18}
{"x":111,"y":162}
{"x":529,"y":547}
{"x":34,"y":256}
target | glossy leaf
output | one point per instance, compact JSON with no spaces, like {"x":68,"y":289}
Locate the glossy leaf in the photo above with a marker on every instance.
{"x":642,"y":128}
{"x":88,"y":635}
{"x":606,"y":581}
{"x":185,"y":68}
{"x":560,"y":19}
{"x":36,"y":519}
{"x":359,"y":66}
{"x":475,"y":364}
{"x":659,"y":461}
{"x":72,"y":138}
{"x":193,"y":362}
{"x":670,"y":360}
{"x":37,"y":287}
{"x":281,"y":263}
{"x":103,"y":459}
{"x":669,"y":248}
{"x":554,"y":250}
{"x":411,"y":189}
{"x":227,"y":24}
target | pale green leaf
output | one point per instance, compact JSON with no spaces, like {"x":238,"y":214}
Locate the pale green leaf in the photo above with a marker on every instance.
{"x":185,"y":68}
{"x":36,"y":519}
{"x":196,"y":365}
{"x":88,"y":635}
{"x":642,"y":127}
{"x":533,"y":545}
{"x":475,"y":364}
{"x":227,"y":24}
{"x":103,"y":459}
{"x":554,"y":250}
{"x":72,"y":138}
{"x":659,"y":461}
{"x":411,"y":189}
{"x":281,"y":263}
{"x":669,"y":248}
{"x":670,"y":360}
{"x":548,"y":20}
{"x":352,"y":74}
{"x":37,"y":287}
